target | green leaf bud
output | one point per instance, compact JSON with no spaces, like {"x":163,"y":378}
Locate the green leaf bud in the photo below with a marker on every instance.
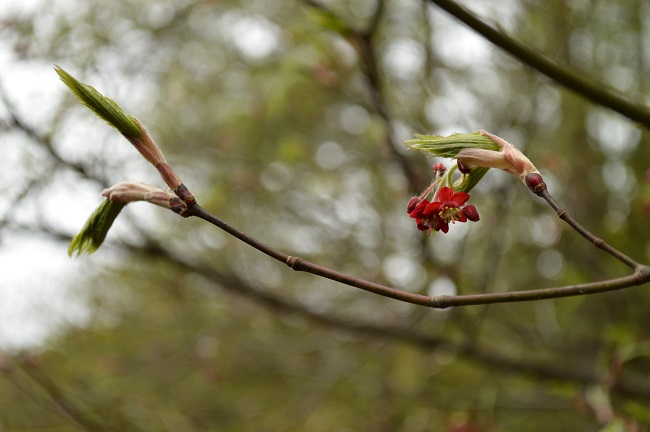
{"x":92,"y":235}
{"x":105,"y":108}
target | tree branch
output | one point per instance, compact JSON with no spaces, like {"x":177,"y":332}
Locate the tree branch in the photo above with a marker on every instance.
{"x":640,"y":276}
{"x":15,"y":121}
{"x":573,"y":80}
{"x":363,"y":40}
{"x":596,"y":241}
{"x":470,"y":350}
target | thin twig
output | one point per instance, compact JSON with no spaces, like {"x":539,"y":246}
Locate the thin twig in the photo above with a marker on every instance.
{"x":299,"y":264}
{"x":573,"y":80}
{"x":363,"y":40}
{"x":596,"y":241}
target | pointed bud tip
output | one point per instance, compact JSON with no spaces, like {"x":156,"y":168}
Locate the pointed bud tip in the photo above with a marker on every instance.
{"x":105,"y":108}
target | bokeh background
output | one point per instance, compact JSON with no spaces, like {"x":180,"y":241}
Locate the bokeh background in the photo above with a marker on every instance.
{"x":286,"y":118}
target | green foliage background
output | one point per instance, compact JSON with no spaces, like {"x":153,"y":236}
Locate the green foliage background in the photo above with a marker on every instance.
{"x":298,"y":142}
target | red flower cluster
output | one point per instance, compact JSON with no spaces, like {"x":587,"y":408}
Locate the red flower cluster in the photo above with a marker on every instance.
{"x":448,"y":207}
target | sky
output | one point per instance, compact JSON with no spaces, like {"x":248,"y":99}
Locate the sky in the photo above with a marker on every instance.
{"x":35,"y":294}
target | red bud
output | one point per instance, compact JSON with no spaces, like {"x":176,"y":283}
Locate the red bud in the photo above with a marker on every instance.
{"x":412,"y":204}
{"x":462,"y":168}
{"x":439,"y":168}
{"x":471,"y":213}
{"x":535,"y":182}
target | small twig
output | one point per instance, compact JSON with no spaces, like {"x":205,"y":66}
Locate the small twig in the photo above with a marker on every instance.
{"x":299,"y":264}
{"x":596,"y":241}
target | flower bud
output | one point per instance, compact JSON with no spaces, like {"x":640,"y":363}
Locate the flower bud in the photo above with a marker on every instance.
{"x":439,"y":168}
{"x":127,"y":192}
{"x":471,"y":213}
{"x":462,"y":168}
{"x":509,"y":158}
{"x":413,"y":203}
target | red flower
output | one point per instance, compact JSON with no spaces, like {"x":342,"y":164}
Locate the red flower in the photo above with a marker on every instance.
{"x":449,"y":208}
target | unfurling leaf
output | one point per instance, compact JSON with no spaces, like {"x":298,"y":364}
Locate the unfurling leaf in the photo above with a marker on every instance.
{"x":476,"y":153}
{"x":92,"y":235}
{"x":450,"y":146}
{"x":105,"y":108}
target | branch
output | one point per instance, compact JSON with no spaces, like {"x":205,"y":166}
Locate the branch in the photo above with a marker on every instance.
{"x":469,"y":350}
{"x":573,"y":80}
{"x":15,"y":121}
{"x":478,"y":151}
{"x":363,"y":40}
{"x":598,"y":242}
{"x":640,"y":276}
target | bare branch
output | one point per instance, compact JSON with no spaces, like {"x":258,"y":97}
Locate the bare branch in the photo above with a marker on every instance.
{"x":596,"y":241}
{"x":573,"y":80}
{"x":640,"y":276}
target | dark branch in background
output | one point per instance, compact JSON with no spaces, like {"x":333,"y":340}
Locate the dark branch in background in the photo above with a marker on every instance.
{"x":364,"y":42}
{"x":571,"y":79}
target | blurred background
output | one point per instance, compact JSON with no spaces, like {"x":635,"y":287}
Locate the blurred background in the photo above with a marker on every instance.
{"x":286,"y":118}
